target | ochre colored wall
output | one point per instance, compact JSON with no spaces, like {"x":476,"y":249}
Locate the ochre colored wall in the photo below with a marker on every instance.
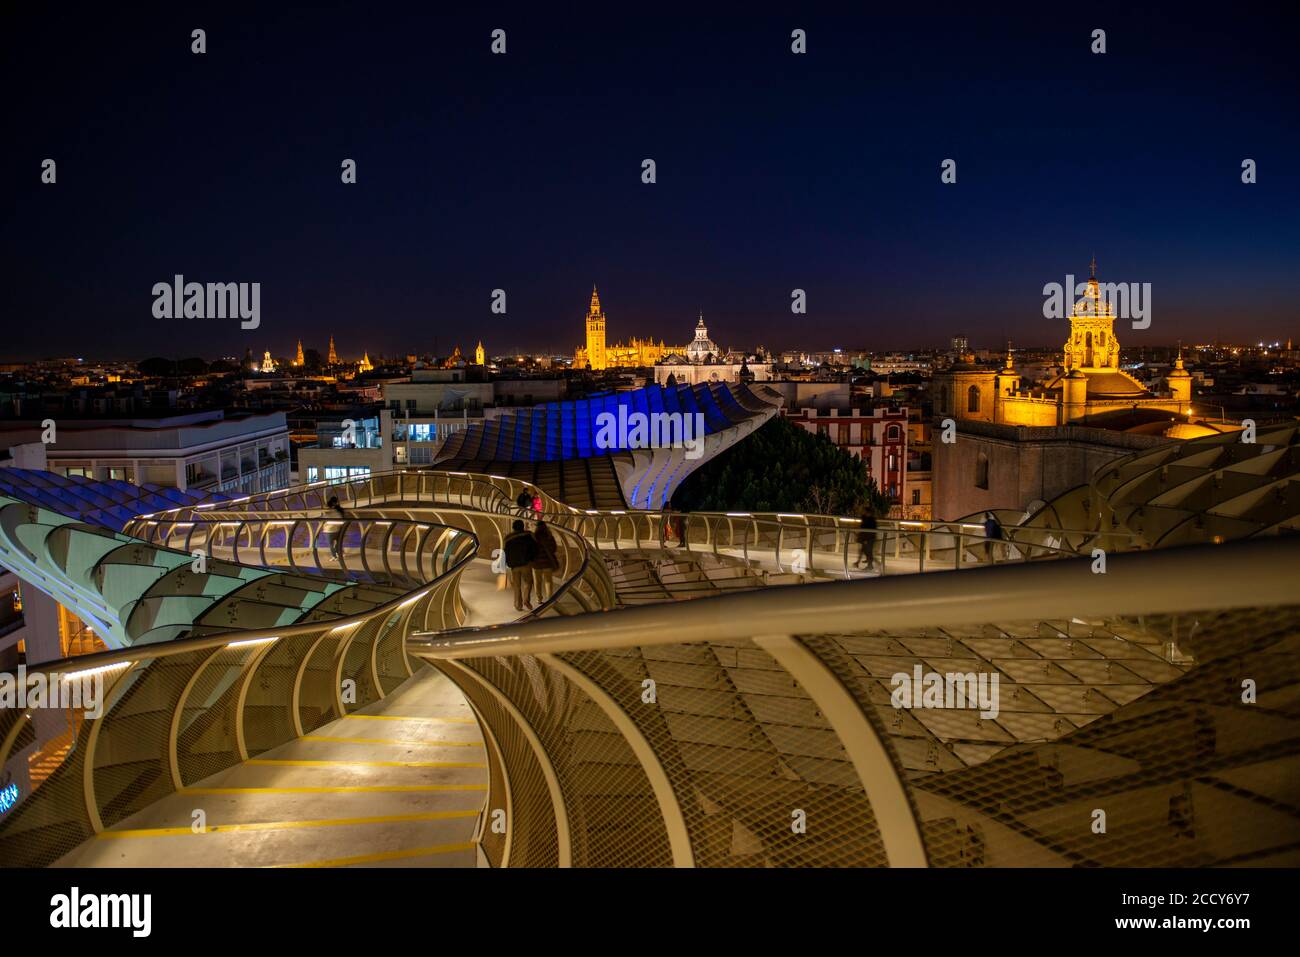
{"x":1021,"y":470}
{"x":1020,"y":411}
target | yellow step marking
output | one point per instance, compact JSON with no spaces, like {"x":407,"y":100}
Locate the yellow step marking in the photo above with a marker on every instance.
{"x":342,"y":789}
{"x":422,"y":744}
{"x":398,"y":717}
{"x":285,"y":825}
{"x":287,"y":763}
{"x":384,"y":856}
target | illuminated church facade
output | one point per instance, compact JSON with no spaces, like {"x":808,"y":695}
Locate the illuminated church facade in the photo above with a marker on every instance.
{"x":1088,"y":388}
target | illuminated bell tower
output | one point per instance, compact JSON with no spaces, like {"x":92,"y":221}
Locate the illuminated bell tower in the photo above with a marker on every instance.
{"x":1179,"y":381}
{"x":1008,"y":379}
{"x":480,"y":357}
{"x":1092,"y":345}
{"x":299,"y":360}
{"x":595,"y":332}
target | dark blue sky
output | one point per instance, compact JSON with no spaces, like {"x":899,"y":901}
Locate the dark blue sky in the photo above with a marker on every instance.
{"x":522,"y":171}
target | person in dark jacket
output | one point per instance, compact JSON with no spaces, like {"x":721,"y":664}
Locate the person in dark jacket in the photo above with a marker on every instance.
{"x":336,"y":536}
{"x":992,"y":534}
{"x":520,"y":550}
{"x":867,"y":541}
{"x":545,"y":563}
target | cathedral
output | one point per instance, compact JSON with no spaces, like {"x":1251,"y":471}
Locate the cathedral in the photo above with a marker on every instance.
{"x":1088,"y":388}
{"x":1022,"y":445}
{"x":596,"y":354}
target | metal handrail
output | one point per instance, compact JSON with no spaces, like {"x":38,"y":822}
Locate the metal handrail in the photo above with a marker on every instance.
{"x":149,"y":651}
{"x":926,"y":545}
{"x":505,"y":490}
{"x":1251,"y":573}
{"x":161,"y":533}
{"x":553,"y":508}
{"x":764,"y":538}
{"x":159,"y":530}
{"x":480,"y":485}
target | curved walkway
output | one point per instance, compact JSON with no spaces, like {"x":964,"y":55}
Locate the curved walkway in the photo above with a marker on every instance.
{"x":401,"y":782}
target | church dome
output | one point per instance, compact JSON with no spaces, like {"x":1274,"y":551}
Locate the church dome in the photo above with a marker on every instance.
{"x":702,"y":346}
{"x":1113,"y":385}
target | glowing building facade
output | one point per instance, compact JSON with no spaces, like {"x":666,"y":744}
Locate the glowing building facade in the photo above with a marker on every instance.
{"x":1089,"y":386}
{"x":634,"y":354}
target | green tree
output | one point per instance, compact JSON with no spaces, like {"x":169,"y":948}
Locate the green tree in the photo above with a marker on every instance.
{"x":156,"y":366}
{"x":782,"y":468}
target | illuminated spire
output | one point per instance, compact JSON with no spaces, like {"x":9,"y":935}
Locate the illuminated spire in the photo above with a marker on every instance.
{"x":1092,"y":305}
{"x":333,"y":358}
{"x":596,"y":357}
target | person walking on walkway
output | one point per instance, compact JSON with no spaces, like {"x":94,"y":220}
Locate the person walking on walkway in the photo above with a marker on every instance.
{"x":520,"y":550}
{"x":336,"y":536}
{"x":545,"y":563}
{"x":667,"y":528}
{"x":867,"y":541}
{"x":992,"y":534}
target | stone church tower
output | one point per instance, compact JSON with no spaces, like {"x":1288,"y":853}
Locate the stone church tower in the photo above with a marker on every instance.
{"x":595,"y":332}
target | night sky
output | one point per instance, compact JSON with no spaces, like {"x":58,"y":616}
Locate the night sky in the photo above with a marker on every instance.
{"x":523,"y":172}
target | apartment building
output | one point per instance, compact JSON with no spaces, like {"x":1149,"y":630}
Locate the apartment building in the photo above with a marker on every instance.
{"x":210,"y":451}
{"x":878,"y":437}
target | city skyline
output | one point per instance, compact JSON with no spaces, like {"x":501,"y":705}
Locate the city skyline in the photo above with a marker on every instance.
{"x":774,"y":172}
{"x":446,"y":346}
{"x":649,"y":440}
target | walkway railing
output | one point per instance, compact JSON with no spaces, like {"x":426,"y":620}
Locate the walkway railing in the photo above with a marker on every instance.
{"x":822,"y":545}
{"x":449,"y":488}
{"x":759,"y":728}
{"x":380,"y":545}
{"x":407,"y":554}
{"x":808,"y":544}
{"x":177,"y":712}
{"x":763,"y":728}
{"x":181,"y":710}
